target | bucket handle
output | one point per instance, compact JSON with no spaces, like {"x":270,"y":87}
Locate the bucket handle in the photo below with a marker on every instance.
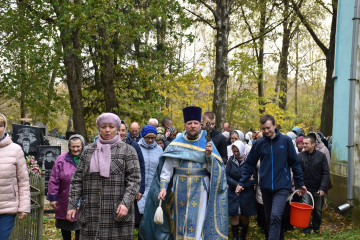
{"x":307,"y":193}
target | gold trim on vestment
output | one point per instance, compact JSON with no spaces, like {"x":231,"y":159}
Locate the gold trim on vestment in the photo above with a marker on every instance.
{"x":197,"y":222}
{"x":196,"y":148}
{"x":217,"y":187}
{"x":176,"y":206}
{"x":181,"y":175}
{"x":187,"y":204}
{"x":186,"y":145}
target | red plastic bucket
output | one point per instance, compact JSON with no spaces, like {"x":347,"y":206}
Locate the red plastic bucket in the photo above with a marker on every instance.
{"x":300,"y":213}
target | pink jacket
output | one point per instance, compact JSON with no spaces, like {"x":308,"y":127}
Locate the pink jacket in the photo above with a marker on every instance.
{"x":14,"y":179}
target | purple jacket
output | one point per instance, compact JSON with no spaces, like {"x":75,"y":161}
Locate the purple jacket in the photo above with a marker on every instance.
{"x":59,"y":184}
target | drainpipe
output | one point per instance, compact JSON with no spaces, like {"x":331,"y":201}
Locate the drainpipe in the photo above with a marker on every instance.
{"x":352,"y":79}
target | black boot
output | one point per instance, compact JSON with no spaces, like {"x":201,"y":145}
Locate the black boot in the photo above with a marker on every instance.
{"x":235,"y":231}
{"x":244,"y":231}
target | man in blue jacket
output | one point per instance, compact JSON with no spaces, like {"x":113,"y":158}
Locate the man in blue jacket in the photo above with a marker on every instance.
{"x":276,"y":154}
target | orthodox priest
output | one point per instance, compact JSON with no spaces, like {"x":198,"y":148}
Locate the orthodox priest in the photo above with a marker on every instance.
{"x":191,"y":182}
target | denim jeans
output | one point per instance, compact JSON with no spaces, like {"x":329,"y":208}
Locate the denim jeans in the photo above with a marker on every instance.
{"x":274,"y":204}
{"x":315,"y":222}
{"x":6,"y":225}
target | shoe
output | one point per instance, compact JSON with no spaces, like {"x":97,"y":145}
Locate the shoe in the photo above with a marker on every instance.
{"x":235,"y":231}
{"x":244,"y":231}
{"x":307,"y":230}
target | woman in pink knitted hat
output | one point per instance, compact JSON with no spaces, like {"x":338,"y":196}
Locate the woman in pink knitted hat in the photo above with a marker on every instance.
{"x":107,"y":180}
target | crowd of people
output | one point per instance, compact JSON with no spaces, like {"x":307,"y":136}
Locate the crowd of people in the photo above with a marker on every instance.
{"x":200,"y":178}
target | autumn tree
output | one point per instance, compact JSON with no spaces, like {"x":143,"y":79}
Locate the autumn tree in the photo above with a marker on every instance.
{"x":329,"y":52}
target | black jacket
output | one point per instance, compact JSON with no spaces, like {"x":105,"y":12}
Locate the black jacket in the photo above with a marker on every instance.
{"x":135,"y":145}
{"x":315,"y":169}
{"x":220,"y":144}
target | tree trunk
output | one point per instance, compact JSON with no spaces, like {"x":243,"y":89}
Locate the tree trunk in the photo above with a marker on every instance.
{"x":107,"y":73}
{"x":51,"y":89}
{"x":73,"y":66}
{"x":69,"y":124}
{"x":283,"y":65}
{"x":296,"y":71}
{"x":23,"y":73}
{"x":261,"y":94}
{"x":328,"y":100}
{"x":222,"y":20}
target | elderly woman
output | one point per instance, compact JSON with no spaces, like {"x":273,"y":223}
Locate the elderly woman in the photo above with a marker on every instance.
{"x":237,"y":135}
{"x":14,"y":182}
{"x":241,"y":205}
{"x":107,"y":180}
{"x":151,"y":152}
{"x":59,"y":185}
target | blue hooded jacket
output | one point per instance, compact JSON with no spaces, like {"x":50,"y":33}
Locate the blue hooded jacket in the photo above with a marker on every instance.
{"x":277,"y":155}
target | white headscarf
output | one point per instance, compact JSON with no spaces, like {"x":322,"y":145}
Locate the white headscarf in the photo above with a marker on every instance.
{"x":240,"y":146}
{"x":291,"y":135}
{"x":226,"y":134}
{"x":239,"y":133}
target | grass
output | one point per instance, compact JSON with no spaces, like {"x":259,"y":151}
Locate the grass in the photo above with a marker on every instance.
{"x":334,"y":226}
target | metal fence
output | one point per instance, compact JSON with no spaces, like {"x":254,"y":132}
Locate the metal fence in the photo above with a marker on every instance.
{"x":31,"y":227}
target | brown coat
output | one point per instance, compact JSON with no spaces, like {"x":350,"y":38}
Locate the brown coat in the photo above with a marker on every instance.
{"x":100,"y":196}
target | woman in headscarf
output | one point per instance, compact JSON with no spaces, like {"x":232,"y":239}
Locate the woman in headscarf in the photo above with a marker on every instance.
{"x":241,"y":205}
{"x":237,"y":135}
{"x":151,"y":152}
{"x":107,"y":180}
{"x":59,"y":185}
{"x":14,"y":182}
{"x":160,"y":140}
{"x":293,"y":137}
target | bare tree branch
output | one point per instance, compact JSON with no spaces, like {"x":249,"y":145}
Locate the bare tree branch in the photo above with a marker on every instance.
{"x":261,"y":35}
{"x":210,"y":8}
{"x":249,"y":28}
{"x":324,"y":6}
{"x":201,"y":18}
{"x":270,"y":12}
{"x":321,"y":45}
{"x":257,"y":37}
{"x":229,"y":4}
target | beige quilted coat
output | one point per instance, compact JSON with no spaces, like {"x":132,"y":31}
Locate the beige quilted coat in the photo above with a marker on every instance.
{"x":14,"y":179}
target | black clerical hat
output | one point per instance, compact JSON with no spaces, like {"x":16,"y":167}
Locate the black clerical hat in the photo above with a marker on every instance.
{"x":192,"y":113}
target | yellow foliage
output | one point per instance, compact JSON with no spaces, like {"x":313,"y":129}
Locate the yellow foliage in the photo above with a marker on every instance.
{"x":180,"y":91}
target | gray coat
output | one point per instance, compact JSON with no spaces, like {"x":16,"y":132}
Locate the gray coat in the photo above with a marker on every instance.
{"x":100,"y":196}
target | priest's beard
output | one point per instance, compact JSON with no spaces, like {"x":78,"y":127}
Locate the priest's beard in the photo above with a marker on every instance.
{"x":192,"y":136}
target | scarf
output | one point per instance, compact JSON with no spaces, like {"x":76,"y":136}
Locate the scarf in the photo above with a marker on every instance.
{"x":101,"y":158}
{"x":76,"y":159}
